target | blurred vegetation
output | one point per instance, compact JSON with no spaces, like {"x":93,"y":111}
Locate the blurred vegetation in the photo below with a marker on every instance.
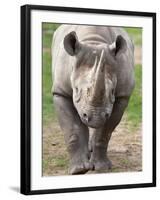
{"x":136,"y":35}
{"x":48,"y":30}
{"x":57,"y":163}
{"x":48,"y":106}
{"x":134,"y":110}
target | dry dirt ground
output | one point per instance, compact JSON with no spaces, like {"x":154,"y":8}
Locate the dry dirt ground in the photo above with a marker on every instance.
{"x":125,"y":147}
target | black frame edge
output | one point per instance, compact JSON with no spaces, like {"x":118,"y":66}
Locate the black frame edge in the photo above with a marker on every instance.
{"x":89,"y":189}
{"x":154,"y":98}
{"x":25,"y":101}
{"x":90,"y":10}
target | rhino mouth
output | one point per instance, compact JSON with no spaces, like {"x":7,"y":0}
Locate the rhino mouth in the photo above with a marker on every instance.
{"x":94,"y":121}
{"x":94,"y":117}
{"x":94,"y":124}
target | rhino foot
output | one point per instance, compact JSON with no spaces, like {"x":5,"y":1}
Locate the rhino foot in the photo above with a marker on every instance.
{"x":80,"y":166}
{"x":101,"y":165}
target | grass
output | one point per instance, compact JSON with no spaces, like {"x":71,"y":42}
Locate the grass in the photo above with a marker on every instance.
{"x":48,"y":107}
{"x":48,"y":30}
{"x":134,"y":110}
{"x":125,"y":162}
{"x":61,"y":162}
{"x":136,"y":35}
{"x":57,"y":163}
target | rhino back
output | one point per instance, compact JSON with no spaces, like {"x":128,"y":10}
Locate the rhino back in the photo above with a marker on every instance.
{"x":62,"y":63}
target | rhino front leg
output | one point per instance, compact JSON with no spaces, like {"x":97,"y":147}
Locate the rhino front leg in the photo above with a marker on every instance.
{"x":100,"y":137}
{"x":76,"y":135}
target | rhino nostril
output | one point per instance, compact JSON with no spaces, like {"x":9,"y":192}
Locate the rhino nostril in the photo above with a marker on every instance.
{"x":85,"y":116}
{"x":107,"y":115}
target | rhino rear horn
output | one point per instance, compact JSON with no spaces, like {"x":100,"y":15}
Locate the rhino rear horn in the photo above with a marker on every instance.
{"x":119,"y":46}
{"x":71,"y":43}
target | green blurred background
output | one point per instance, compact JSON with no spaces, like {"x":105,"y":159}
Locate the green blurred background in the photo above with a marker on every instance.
{"x":134,"y":111}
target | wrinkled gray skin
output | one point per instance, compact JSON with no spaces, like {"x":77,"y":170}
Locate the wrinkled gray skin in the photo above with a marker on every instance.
{"x":93,"y":73}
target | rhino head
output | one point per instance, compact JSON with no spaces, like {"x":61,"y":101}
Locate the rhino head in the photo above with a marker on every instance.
{"x":93,"y":77}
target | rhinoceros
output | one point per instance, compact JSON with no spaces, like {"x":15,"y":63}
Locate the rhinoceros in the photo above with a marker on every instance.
{"x":93,"y":79}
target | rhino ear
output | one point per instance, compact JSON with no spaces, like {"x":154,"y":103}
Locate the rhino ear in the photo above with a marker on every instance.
{"x":71,"y":43}
{"x":119,"y":46}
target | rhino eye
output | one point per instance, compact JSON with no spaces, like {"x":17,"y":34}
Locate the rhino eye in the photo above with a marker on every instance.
{"x":76,"y":89}
{"x":112,"y":96}
{"x":112,"y":92}
{"x":78,"y":94}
